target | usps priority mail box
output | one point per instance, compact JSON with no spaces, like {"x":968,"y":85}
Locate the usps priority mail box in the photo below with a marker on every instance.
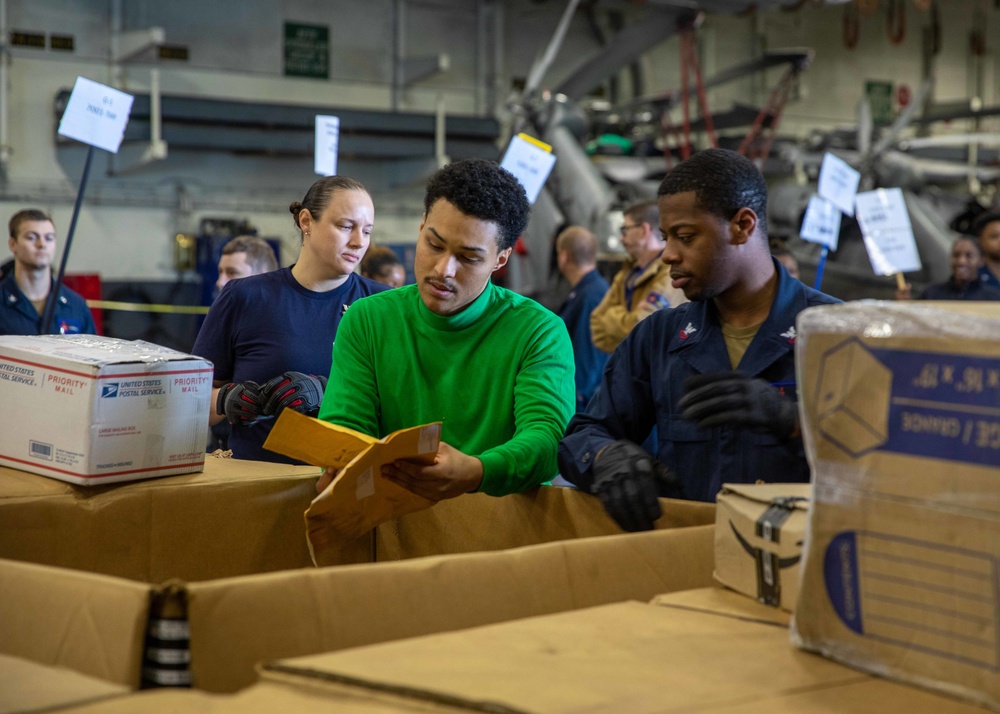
{"x":92,"y":410}
{"x":901,"y":422}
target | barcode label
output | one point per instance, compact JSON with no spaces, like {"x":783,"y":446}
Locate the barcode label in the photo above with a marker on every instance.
{"x":40,"y":450}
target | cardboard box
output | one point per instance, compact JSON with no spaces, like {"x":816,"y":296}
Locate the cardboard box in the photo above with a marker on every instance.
{"x":624,"y":657}
{"x":30,"y":687}
{"x":194,"y":603}
{"x":759,"y":530}
{"x":235,"y":518}
{"x":901,"y":420}
{"x":102,"y":410}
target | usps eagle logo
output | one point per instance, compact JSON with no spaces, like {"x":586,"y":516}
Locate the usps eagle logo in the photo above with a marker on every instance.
{"x":789,"y":335}
{"x":689,"y":330}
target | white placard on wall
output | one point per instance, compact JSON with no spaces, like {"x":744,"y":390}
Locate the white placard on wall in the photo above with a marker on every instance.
{"x":96,"y":115}
{"x":327,"y":142}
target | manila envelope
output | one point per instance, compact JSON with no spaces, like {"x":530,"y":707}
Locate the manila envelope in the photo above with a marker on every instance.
{"x":358,"y":499}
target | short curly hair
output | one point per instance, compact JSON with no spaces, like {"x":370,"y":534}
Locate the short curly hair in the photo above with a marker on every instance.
{"x":723,"y":182}
{"x":481,"y":189}
{"x":983,"y":220}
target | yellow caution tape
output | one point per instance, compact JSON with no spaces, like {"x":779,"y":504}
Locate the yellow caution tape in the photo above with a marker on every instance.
{"x":146,"y":307}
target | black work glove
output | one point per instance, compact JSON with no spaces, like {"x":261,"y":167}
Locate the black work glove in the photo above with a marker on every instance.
{"x":720,"y":398}
{"x":241,"y":402}
{"x":628,"y":481}
{"x":293,"y":390}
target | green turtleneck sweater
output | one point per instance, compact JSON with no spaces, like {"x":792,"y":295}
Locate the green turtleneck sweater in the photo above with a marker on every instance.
{"x":498,"y":375}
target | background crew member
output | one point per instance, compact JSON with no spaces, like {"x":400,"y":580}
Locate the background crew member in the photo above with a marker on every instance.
{"x":965,"y":282}
{"x":786,"y":258}
{"x":987,"y":227}
{"x":495,"y":367}
{"x":642,"y":286}
{"x":269,"y":335}
{"x":25,"y":289}
{"x":576,"y":256}
{"x":382,"y":265}
{"x":716,"y":375}
{"x":244,"y":256}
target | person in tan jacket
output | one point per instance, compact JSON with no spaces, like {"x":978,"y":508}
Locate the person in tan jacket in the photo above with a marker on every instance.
{"x":642,"y":286}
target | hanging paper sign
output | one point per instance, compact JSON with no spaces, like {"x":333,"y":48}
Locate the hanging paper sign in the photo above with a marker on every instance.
{"x":531,"y":161}
{"x":96,"y":115}
{"x":327,"y":141}
{"x":838,"y":183}
{"x":885,"y":225}
{"x":821,"y":223}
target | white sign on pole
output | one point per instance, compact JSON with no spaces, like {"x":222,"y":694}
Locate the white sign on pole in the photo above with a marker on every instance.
{"x":530,"y":161}
{"x":96,"y":115}
{"x":838,"y":183}
{"x":885,"y":225}
{"x":821,"y":223}
{"x":327,"y":141}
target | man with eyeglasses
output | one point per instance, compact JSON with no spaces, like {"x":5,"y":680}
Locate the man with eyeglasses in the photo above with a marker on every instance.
{"x":642,"y":286}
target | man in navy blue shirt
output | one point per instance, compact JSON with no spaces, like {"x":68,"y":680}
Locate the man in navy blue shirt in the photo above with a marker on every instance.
{"x":715,"y":376}
{"x":576,"y":257}
{"x":25,"y":289}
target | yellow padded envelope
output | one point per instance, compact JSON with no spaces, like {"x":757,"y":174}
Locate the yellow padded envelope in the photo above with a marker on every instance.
{"x":358,"y":499}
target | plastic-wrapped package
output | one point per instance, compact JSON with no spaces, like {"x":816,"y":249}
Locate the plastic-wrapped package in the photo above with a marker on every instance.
{"x":92,"y":410}
{"x":900,"y":406}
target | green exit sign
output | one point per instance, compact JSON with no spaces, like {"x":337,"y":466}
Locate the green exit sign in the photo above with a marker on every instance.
{"x":879,"y":95}
{"x":307,"y":51}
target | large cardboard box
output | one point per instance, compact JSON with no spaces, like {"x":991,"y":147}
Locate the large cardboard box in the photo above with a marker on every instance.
{"x":235,"y":518}
{"x":624,"y":657}
{"x":759,"y":531}
{"x":100,"y":410}
{"x":901,"y":419}
{"x":190,"y":600}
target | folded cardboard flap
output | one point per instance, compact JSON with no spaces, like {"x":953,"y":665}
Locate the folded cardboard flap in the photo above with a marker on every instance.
{"x":624,"y":657}
{"x":289,"y":614}
{"x":264,"y":698}
{"x":238,"y":523}
{"x":537,"y":516}
{"x":93,"y":624}
{"x":28,"y":686}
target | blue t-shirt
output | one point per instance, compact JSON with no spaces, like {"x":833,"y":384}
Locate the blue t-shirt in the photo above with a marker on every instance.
{"x":267,"y":324}
{"x":18,"y":315}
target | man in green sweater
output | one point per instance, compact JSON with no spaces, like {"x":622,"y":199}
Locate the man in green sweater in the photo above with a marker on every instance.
{"x":494,"y":367}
